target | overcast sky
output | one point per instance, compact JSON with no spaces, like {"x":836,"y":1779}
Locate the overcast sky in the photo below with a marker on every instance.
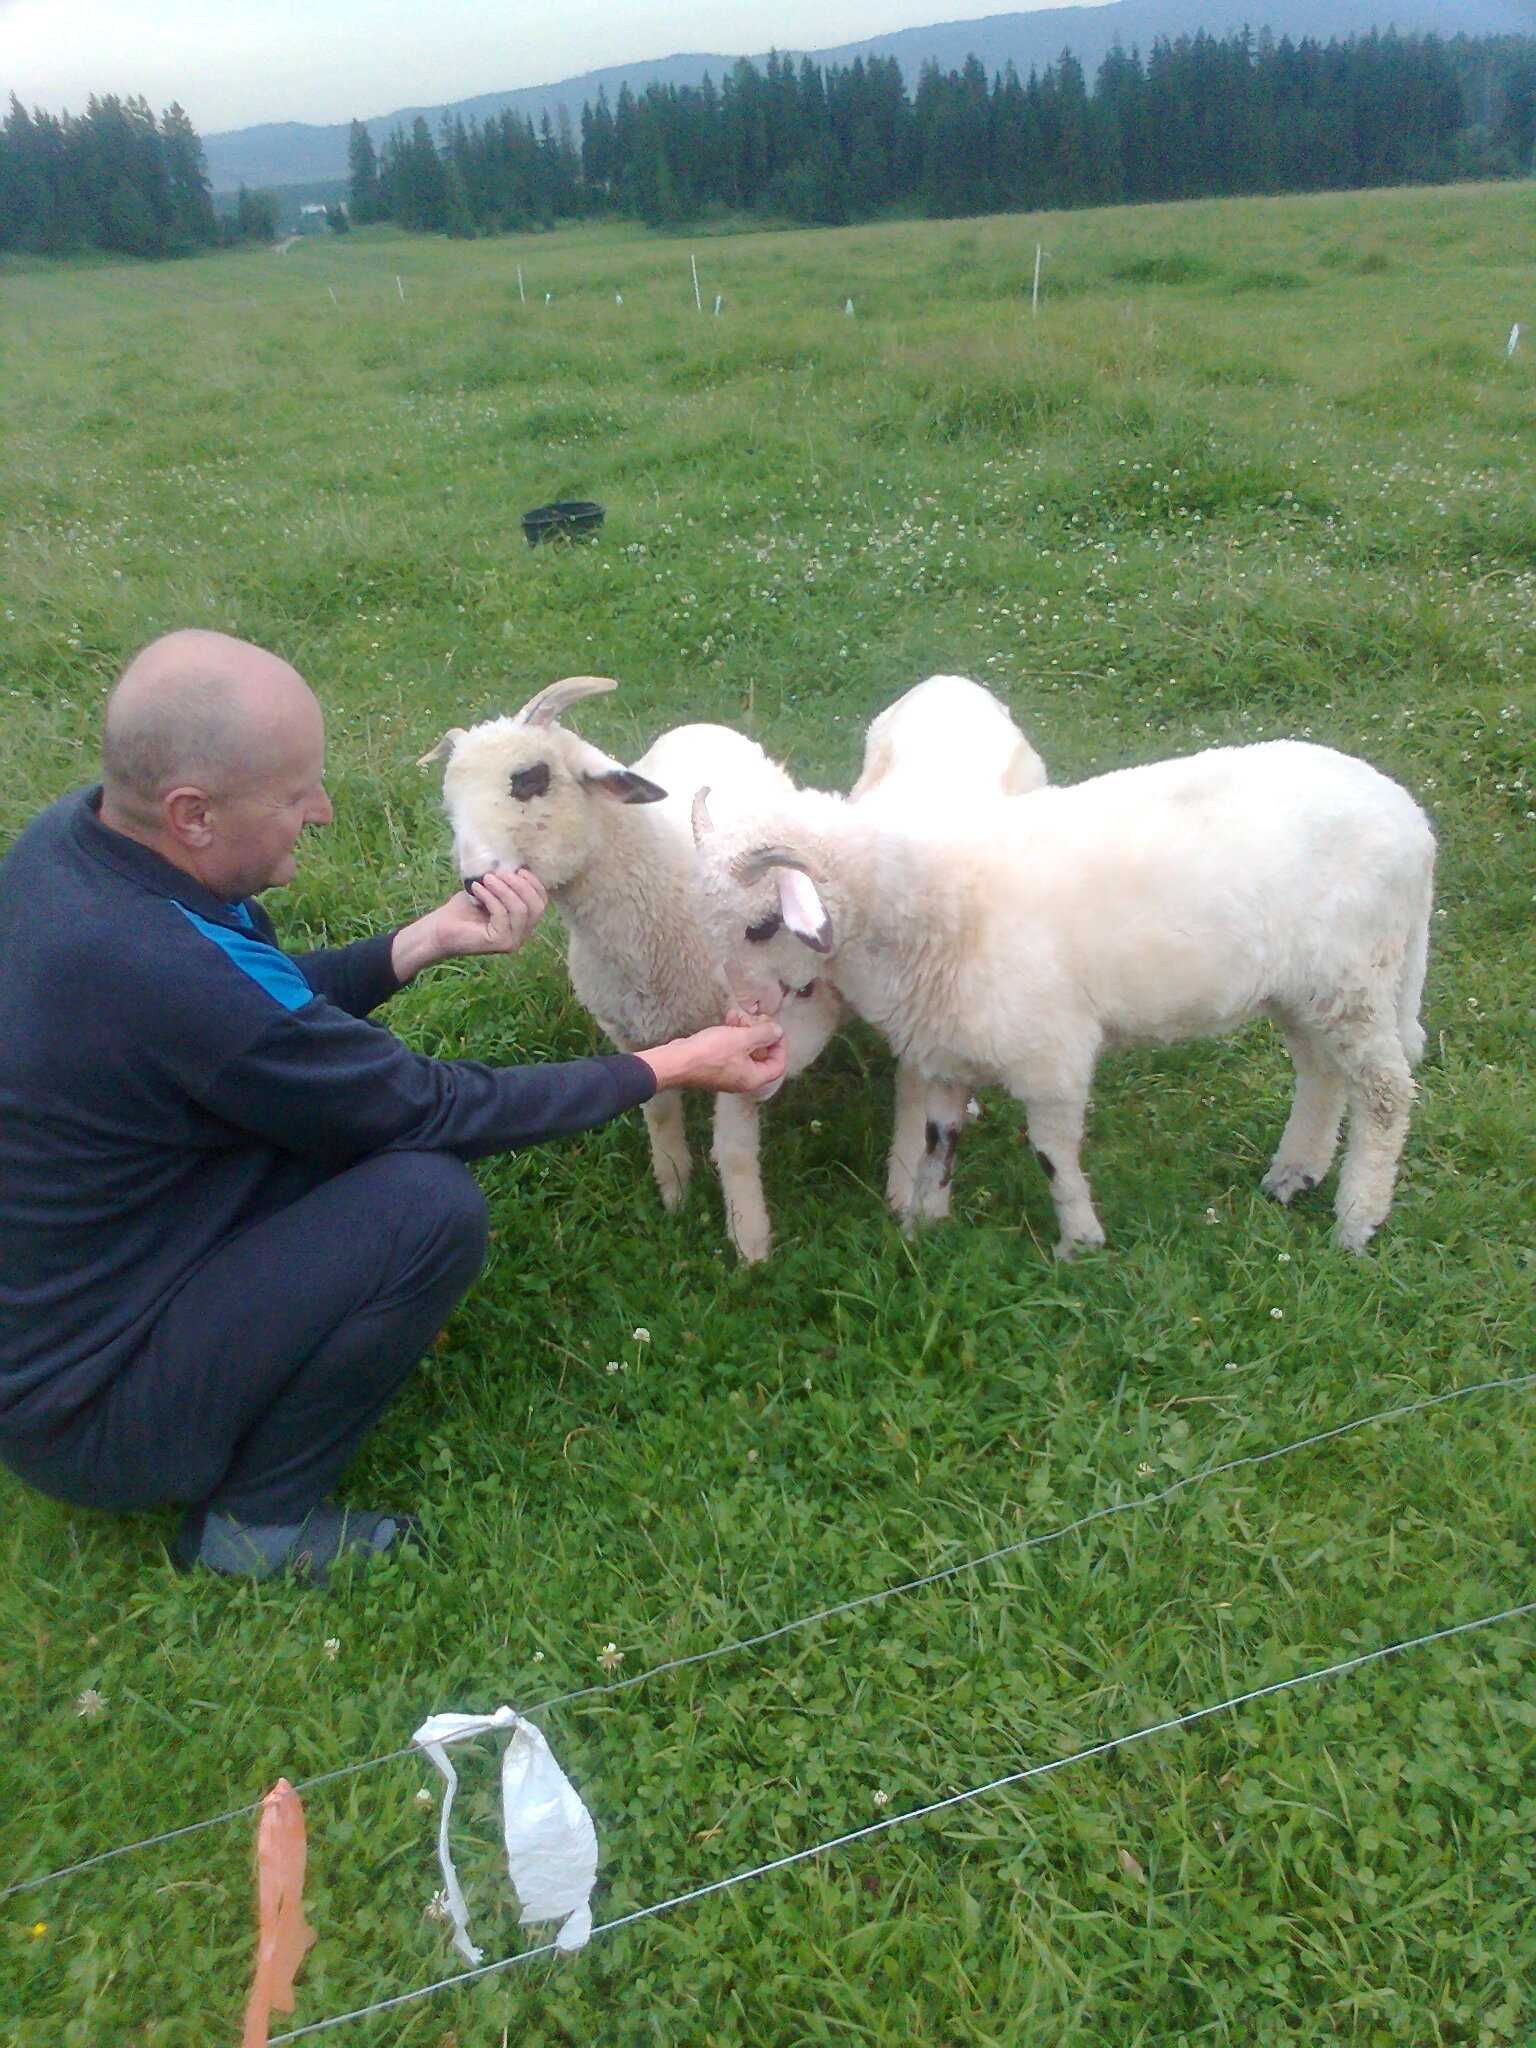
{"x":232,"y":63}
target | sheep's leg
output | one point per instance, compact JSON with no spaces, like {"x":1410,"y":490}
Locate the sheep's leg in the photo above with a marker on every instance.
{"x":1410,"y":988}
{"x":1307,"y":1144}
{"x":741,"y":1180}
{"x":1381,"y":1091}
{"x":670,"y":1161}
{"x":906,"y":1138}
{"x":942,"y":1105}
{"x":1056,"y":1132}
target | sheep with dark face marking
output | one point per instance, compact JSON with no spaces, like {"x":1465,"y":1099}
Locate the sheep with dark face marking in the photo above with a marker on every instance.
{"x":1173,"y":901}
{"x":615,"y":851}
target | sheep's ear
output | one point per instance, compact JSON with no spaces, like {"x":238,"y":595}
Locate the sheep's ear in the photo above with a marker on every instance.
{"x":604,"y":776}
{"x":800,"y":904}
{"x":443,"y":751}
{"x":703,"y":823}
{"x":626,"y":785}
{"x":546,"y":705}
{"x":803,"y":911}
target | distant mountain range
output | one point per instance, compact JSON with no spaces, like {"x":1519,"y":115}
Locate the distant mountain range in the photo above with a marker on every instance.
{"x":294,"y":153}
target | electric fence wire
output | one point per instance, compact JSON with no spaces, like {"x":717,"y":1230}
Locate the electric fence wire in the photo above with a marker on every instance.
{"x":1136,"y":1505}
{"x":896,"y":1820}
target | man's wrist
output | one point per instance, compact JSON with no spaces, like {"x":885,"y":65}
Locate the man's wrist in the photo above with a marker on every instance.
{"x":415,"y":947}
{"x":669,"y":1063}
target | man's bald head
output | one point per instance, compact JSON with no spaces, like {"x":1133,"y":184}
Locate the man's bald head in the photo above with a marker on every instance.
{"x":203,"y":710}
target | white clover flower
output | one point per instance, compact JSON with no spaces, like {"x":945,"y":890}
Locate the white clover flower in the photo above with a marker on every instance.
{"x":881,"y":1798}
{"x":642,"y":1335}
{"x":610,"y":1657}
{"x":332,"y":1648}
{"x":437,"y":1907}
{"x":424,"y":1798}
{"x":1284,"y":1259}
{"x":613,"y":1365}
{"x":1277,"y":1315}
{"x":90,"y":1704}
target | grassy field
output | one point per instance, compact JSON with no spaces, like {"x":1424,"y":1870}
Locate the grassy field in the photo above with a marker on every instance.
{"x":1255,"y":469}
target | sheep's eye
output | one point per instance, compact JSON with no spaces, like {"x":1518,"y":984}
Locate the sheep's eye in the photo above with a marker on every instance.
{"x":532,"y":781}
{"x":759,"y":934}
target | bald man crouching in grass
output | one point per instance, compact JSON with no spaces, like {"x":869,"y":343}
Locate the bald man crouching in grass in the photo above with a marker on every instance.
{"x":233,"y":1214}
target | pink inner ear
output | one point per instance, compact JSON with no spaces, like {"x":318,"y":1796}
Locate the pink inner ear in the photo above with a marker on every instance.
{"x":801,"y":906}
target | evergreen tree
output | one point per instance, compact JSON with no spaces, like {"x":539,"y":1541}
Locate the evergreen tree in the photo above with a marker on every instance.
{"x":364,"y":197}
{"x":24,"y":199}
{"x":1515,"y":128}
{"x":598,"y":154}
{"x":423,"y":193}
{"x":192,"y":217}
{"x":256,"y":216}
{"x":458,"y":221}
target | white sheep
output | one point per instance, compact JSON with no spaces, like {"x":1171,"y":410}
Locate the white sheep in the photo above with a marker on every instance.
{"x":1159,"y":903}
{"x":946,"y":742}
{"x":615,"y":851}
{"x":943,"y":742}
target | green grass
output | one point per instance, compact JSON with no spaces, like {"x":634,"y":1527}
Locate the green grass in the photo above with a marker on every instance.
{"x":1256,"y":469}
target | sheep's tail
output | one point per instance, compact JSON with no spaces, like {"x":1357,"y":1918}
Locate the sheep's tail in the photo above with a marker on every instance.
{"x":1410,"y":987}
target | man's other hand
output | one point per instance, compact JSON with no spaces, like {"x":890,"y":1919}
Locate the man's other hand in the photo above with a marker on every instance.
{"x":738,"y":1057}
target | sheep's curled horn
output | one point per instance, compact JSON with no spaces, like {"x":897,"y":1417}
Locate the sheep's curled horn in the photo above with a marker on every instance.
{"x":750,"y":867}
{"x":546,"y":705}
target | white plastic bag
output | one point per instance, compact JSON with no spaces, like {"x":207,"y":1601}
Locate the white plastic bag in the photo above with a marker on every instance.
{"x":550,"y":1840}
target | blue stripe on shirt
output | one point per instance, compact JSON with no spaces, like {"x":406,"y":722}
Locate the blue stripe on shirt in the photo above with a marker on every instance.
{"x":269,"y":968}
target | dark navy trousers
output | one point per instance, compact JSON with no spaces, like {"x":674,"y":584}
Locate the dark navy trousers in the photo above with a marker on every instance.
{"x":271,"y":1363}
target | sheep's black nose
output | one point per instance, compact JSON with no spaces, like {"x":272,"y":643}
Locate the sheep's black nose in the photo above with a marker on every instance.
{"x":469,"y":883}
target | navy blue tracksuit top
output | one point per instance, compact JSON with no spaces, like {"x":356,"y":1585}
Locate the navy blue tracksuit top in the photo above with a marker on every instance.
{"x":160,"y":1059}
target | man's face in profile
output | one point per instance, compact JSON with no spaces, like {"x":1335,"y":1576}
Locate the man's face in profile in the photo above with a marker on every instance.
{"x":257,"y":826}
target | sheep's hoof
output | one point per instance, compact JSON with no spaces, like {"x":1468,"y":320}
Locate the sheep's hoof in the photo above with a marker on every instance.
{"x":672,"y":1192}
{"x":916,"y":1217}
{"x":754,"y":1245}
{"x":1285,"y":1180}
{"x":1353,"y":1233}
{"x":1087,"y":1241}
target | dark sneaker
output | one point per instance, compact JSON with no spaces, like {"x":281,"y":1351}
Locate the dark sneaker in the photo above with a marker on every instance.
{"x":308,"y":1549}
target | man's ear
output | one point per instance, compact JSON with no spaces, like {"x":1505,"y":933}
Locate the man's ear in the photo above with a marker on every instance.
{"x":187,"y":816}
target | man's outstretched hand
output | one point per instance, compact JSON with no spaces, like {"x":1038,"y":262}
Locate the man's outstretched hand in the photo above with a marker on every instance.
{"x":494,"y":915}
{"x":735,"y":1058}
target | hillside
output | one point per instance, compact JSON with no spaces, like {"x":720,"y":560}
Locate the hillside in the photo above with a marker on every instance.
{"x":291,"y":152}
